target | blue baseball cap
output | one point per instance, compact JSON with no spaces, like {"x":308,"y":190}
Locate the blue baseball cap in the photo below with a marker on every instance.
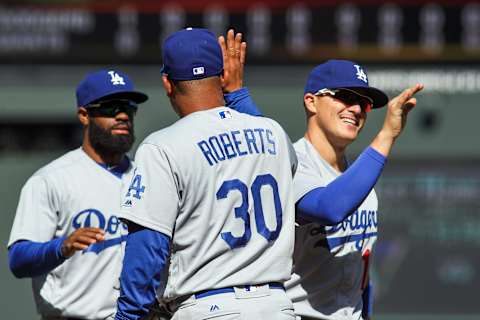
{"x":106,"y":85}
{"x":192,"y":54}
{"x":344,"y":74}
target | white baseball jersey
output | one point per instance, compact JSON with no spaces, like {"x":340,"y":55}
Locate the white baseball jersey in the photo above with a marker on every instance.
{"x":329,"y":261}
{"x":219,"y":183}
{"x":73,"y":192}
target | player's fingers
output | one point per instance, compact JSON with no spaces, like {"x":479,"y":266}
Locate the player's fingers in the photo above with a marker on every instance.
{"x":92,"y":229}
{"x":79,"y":246}
{"x":85,"y":239}
{"x":238,"y":44}
{"x":410,"y":92}
{"x":91,"y":235}
{"x":243,"y":52}
{"x":231,"y":42}
{"x":418,"y":87}
{"x":410,"y":104}
{"x":223,"y":46}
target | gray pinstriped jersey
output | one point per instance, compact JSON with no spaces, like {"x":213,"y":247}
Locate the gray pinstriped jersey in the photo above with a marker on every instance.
{"x":328,"y":265}
{"x":220,"y":183}
{"x":69,"y":193}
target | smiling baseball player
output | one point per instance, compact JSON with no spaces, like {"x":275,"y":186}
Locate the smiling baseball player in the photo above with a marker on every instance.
{"x":337,"y":209}
{"x":66,"y":235}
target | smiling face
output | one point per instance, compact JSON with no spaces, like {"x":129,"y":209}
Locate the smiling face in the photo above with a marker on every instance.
{"x":338,"y":121}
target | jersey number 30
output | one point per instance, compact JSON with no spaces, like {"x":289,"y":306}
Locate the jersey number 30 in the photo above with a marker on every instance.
{"x":241,"y":212}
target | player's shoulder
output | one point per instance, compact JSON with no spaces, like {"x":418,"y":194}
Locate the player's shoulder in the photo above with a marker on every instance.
{"x":302,"y":147}
{"x":68,"y":161}
{"x":306,"y":154}
{"x":270,"y":121}
{"x":158,"y":138}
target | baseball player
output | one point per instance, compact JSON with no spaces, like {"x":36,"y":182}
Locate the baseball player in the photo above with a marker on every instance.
{"x":336,"y":205}
{"x":66,"y":235}
{"x":212,"y":194}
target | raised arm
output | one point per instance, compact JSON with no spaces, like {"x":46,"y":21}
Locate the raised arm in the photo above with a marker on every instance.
{"x":353,"y":186}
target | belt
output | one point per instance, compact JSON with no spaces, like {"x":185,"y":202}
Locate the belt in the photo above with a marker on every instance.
{"x":206,"y":293}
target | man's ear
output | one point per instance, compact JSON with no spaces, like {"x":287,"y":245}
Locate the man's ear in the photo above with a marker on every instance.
{"x":309,"y":103}
{"x":168,"y":85}
{"x":82,"y":115}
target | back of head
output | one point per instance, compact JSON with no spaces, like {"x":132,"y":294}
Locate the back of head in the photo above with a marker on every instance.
{"x":193,"y":63}
{"x":192,"y":54}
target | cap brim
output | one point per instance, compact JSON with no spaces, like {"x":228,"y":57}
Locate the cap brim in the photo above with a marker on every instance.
{"x":378,"y":97}
{"x":134,"y":96}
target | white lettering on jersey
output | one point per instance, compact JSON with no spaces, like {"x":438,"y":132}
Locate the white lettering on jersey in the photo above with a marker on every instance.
{"x":116,"y":78}
{"x":361,"y":75}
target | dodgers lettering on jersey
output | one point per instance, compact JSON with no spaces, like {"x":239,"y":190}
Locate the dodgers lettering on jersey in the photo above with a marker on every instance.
{"x":95,"y":218}
{"x":357,"y":227}
{"x":218,"y":183}
{"x":330,"y":261}
{"x":231,"y":144}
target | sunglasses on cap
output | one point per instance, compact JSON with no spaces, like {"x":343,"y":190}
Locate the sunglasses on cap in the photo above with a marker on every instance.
{"x":110,"y":108}
{"x":349,"y":97}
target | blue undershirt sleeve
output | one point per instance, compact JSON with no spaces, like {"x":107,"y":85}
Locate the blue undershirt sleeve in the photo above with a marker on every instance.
{"x":30,"y":259}
{"x":146,"y":253}
{"x":331,"y":204}
{"x":241,"y":101}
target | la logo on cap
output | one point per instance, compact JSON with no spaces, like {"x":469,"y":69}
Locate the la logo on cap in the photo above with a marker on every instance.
{"x":116,"y":78}
{"x":361,"y":75}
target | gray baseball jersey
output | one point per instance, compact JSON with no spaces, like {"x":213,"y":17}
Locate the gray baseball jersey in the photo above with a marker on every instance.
{"x":219,"y":183}
{"x":330,"y":262}
{"x":73,"y":192}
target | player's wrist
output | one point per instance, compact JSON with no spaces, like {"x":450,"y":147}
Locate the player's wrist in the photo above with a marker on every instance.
{"x":65,"y":250}
{"x":232,"y":88}
{"x":383,"y":143}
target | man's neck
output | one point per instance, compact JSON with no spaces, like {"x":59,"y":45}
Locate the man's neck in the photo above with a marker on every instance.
{"x":111,"y":159}
{"x":334,"y":155}
{"x":187,"y":104}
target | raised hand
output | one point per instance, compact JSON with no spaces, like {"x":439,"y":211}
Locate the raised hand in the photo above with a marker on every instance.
{"x":398,"y":109}
{"x":81,"y":239}
{"x":234,"y":52}
{"x":395,"y":119}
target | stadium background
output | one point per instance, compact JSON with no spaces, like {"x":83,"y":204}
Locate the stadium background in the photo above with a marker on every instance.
{"x":426,"y":264}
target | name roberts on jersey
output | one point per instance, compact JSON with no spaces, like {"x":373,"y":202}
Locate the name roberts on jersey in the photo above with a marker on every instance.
{"x":236,"y":143}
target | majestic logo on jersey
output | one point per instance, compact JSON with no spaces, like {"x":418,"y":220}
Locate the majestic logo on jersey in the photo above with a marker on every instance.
{"x":361,"y":75}
{"x":95,"y":218}
{"x":116,"y":78}
{"x":214,"y":307}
